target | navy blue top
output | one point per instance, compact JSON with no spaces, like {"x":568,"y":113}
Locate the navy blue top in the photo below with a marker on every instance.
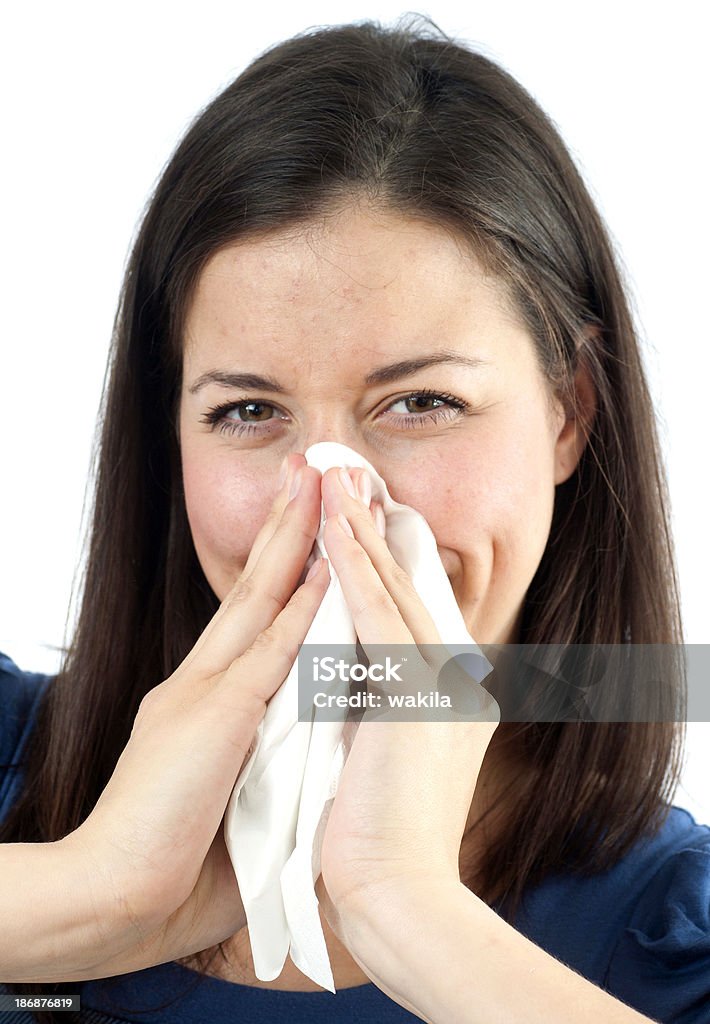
{"x":640,"y":930}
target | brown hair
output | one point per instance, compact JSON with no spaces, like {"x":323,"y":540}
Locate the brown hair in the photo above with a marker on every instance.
{"x":419,"y":124}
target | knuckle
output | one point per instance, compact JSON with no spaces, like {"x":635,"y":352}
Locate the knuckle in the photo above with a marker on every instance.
{"x":240,"y":592}
{"x":148,"y":703}
{"x":169,"y":700}
{"x":264,"y":641}
{"x":277,"y":600}
{"x":401,"y":578}
{"x":380,"y":604}
{"x":274,"y":642}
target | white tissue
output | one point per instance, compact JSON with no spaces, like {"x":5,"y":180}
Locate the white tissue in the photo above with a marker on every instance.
{"x":276,"y":816}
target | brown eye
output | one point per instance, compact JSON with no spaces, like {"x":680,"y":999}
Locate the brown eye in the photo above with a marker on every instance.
{"x":420,"y":401}
{"x":448,"y":408}
{"x":255,"y":409}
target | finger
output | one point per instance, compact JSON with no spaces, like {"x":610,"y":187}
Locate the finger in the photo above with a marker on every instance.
{"x":376,"y":616}
{"x":258,"y":672}
{"x":256,"y":599}
{"x":268,"y":528}
{"x":365,"y":578}
{"x":294,"y":461}
{"x":281,"y":562}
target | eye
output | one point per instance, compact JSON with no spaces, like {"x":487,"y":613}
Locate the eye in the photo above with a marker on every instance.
{"x":448,"y":407}
{"x":218,"y":416}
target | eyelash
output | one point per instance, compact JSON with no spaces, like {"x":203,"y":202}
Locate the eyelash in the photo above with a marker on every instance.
{"x":217,"y":415}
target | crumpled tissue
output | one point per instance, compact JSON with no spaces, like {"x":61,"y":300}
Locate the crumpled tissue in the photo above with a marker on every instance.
{"x":278,"y":809}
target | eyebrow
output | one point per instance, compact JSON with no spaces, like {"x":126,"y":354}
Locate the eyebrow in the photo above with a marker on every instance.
{"x":382,"y":375}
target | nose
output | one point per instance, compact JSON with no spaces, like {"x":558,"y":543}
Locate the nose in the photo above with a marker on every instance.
{"x":330,"y":417}
{"x":327,"y":429}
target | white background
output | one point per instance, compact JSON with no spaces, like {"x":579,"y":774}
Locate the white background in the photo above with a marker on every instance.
{"x":96,"y":96}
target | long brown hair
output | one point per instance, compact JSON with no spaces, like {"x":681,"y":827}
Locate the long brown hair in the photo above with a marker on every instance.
{"x":419,"y":124}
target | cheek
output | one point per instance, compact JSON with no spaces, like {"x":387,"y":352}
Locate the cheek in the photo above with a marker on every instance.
{"x":226,"y":508}
{"x":488,"y":497}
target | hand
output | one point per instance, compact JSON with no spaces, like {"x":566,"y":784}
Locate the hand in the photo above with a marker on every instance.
{"x":406,"y":788}
{"x":152,"y":851}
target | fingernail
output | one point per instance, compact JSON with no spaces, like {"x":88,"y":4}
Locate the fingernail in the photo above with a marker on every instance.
{"x":345,"y":525}
{"x":295,"y":483}
{"x":379,"y":519}
{"x":283,"y":473}
{"x":347,"y":482}
{"x":364,"y":489}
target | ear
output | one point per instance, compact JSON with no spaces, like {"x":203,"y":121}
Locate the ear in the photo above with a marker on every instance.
{"x":576,"y":426}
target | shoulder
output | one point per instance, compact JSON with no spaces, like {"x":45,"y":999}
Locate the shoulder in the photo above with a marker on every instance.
{"x":641,"y":929}
{"x":661,"y":961}
{"x":20,"y":694}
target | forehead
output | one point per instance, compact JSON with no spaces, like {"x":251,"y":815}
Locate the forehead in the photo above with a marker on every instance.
{"x":355,"y":280}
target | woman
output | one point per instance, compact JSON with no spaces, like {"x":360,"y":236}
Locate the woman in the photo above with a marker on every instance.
{"x":357,"y":200}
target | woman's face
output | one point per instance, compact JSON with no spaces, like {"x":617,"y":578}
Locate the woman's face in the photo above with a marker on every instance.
{"x":317,"y":312}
